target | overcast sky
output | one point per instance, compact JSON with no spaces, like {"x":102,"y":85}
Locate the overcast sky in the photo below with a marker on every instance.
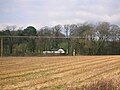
{"x":41,"y":13}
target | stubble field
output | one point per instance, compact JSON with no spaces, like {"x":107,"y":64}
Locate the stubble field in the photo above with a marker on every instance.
{"x":56,"y":73}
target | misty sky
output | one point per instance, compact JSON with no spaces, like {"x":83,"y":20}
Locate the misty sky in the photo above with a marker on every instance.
{"x":41,"y":13}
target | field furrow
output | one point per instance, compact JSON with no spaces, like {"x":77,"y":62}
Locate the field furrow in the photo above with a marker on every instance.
{"x":30,"y":73}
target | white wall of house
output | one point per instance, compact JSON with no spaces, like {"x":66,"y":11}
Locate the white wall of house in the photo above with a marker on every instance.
{"x":59,"y":51}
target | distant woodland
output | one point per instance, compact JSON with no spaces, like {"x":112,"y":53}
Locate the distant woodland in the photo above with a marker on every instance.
{"x":101,"y":38}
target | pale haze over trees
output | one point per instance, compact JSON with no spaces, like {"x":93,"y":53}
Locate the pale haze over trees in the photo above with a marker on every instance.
{"x":40,"y":13}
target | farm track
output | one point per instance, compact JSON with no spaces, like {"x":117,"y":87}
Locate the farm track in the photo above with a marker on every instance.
{"x":50,"y":72}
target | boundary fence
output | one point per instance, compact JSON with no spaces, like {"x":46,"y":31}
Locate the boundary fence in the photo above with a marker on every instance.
{"x":2,"y":38}
{"x":25,"y":46}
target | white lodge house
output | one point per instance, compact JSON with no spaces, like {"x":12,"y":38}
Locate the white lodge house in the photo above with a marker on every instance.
{"x":58,"y":52}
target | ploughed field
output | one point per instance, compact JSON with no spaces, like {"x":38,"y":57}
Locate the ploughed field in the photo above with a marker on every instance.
{"x":56,"y":73}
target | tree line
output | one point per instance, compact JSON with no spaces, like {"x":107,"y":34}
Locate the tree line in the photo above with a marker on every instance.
{"x":101,"y":38}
